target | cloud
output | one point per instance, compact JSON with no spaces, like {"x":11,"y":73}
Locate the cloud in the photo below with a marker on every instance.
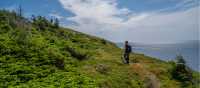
{"x":104,"y":19}
{"x":172,"y":27}
{"x":102,"y":11}
{"x":56,"y":15}
{"x":181,"y":5}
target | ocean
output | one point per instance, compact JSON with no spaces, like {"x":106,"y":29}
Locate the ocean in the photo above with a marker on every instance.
{"x":166,"y":52}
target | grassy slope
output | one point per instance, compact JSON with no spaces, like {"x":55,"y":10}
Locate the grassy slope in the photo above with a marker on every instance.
{"x":28,"y":56}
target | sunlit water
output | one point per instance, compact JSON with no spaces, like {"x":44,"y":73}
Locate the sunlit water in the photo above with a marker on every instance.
{"x":190,"y":54}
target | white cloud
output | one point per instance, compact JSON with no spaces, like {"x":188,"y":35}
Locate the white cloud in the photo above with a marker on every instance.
{"x":56,"y":15}
{"x":171,"y":27}
{"x":99,"y":10}
{"x":103,"y":18}
{"x":180,"y":5}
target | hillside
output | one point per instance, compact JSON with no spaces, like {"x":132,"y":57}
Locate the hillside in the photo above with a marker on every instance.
{"x":38,"y":53}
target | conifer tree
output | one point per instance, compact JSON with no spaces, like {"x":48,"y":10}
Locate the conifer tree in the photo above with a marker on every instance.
{"x":56,"y":23}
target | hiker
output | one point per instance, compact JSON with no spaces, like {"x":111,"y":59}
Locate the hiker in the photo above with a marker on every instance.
{"x":127,"y":51}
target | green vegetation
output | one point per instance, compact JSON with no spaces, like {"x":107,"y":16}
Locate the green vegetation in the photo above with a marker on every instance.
{"x":38,"y":53}
{"x":182,"y":73}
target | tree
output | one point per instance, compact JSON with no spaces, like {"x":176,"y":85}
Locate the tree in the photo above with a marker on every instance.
{"x":40,"y":22}
{"x":19,"y":11}
{"x":51,"y":21}
{"x":181,"y":71}
{"x":180,"y":59}
{"x":33,"y":18}
{"x":56,"y":23}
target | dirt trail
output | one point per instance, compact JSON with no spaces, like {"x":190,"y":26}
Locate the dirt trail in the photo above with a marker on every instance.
{"x":149,"y":78}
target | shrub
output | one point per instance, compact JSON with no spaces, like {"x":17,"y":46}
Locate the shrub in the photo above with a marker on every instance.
{"x":5,"y":28}
{"x":78,"y":53}
{"x":103,"y":69}
{"x":60,"y":63}
{"x":103,"y":41}
{"x":181,"y":72}
{"x":22,"y":36}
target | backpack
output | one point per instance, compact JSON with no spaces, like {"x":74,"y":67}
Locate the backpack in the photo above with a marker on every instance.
{"x":129,"y":49}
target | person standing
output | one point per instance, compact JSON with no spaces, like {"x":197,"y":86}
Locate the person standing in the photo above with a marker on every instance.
{"x":127,"y":51}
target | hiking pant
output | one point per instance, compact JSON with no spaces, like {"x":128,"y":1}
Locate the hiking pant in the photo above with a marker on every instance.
{"x":126,"y":57}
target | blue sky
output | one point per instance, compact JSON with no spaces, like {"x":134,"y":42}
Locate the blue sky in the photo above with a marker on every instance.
{"x":146,"y":21}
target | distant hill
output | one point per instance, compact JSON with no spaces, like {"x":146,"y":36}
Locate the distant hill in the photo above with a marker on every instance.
{"x":38,"y":53}
{"x":189,"y":43}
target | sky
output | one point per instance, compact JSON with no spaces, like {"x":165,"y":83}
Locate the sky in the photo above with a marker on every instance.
{"x":141,"y":21}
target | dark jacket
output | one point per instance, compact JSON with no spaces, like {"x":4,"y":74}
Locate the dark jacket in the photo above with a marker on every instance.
{"x":128,"y":49}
